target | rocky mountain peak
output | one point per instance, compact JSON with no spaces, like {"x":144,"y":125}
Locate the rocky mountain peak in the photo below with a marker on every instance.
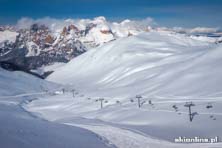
{"x":39,"y":46}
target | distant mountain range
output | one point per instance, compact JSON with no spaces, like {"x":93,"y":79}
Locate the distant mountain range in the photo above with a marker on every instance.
{"x":42,"y":44}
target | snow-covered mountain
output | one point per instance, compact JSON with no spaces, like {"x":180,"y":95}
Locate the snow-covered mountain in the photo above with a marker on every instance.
{"x":91,"y":32}
{"x":135,"y":90}
{"x":36,"y":46}
{"x":43,"y":43}
{"x":153,"y":64}
{"x":163,"y":68}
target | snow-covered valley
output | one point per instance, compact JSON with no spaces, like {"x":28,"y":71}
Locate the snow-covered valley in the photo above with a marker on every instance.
{"x":22,"y":129}
{"x":96,"y":92}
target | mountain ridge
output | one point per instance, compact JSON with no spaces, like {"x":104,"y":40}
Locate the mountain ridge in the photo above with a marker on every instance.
{"x":39,"y":44}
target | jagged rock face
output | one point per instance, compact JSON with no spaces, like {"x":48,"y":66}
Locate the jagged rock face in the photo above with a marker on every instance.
{"x":73,"y":27}
{"x":49,"y":39}
{"x":38,"y":46}
{"x":43,"y":45}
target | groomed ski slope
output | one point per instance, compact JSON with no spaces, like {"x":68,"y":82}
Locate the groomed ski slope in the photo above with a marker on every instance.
{"x":126,"y":126}
{"x":168,"y":69}
{"x":22,"y":129}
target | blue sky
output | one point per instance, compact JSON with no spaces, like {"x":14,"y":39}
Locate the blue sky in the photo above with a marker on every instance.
{"x":184,"y":13}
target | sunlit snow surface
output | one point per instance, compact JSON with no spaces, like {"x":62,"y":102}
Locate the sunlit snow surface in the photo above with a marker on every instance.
{"x":152,"y":64}
{"x":164,"y":68}
{"x":168,"y":69}
{"x":22,"y":129}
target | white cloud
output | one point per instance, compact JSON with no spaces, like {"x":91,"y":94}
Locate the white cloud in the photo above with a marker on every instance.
{"x":204,"y":30}
{"x":54,"y":24}
{"x":196,"y":30}
{"x":24,"y":23}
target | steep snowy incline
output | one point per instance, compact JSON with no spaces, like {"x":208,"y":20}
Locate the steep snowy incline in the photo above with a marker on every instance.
{"x":153,"y":64}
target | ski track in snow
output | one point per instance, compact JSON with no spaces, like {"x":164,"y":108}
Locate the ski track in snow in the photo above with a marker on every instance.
{"x":124,"y":138}
{"x":164,"y":65}
{"x":131,"y":138}
{"x":40,"y":128}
